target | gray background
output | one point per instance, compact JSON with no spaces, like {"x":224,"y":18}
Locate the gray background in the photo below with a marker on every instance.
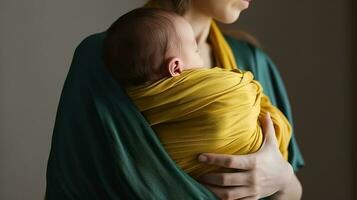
{"x":310,"y":41}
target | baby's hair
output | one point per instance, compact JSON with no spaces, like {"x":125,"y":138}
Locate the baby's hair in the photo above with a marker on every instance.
{"x":135,"y":46}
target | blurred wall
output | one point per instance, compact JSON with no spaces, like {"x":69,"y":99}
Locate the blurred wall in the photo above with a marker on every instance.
{"x":308,"y":40}
{"x":38,"y":39}
{"x":353,"y":16}
{"x":311,"y":43}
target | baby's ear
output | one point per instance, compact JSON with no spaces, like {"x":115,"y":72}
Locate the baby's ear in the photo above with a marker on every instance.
{"x":174,"y":66}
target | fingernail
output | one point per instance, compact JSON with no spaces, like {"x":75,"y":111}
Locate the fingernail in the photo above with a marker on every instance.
{"x":202,"y":158}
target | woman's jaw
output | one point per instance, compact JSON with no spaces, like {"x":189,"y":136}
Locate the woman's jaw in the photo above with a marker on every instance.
{"x":201,"y":13}
{"x":224,"y":11}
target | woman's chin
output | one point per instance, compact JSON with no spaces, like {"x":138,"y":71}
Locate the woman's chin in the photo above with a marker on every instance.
{"x":233,"y":12}
{"x":229,"y":19}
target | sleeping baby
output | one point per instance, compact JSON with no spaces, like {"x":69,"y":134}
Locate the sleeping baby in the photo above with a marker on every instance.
{"x":193,"y":109}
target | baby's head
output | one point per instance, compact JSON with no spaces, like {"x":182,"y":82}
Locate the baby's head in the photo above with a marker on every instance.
{"x":148,"y":44}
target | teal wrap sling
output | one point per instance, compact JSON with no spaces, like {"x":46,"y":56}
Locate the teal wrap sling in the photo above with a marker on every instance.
{"x":103,"y":148}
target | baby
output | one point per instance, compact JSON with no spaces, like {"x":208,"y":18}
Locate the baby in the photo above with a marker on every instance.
{"x":193,"y":109}
{"x":151,"y":44}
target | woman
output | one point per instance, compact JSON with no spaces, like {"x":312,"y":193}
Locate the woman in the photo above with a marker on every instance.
{"x":102,"y":147}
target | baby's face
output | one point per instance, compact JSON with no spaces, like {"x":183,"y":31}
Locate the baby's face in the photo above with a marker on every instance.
{"x":190,"y":54}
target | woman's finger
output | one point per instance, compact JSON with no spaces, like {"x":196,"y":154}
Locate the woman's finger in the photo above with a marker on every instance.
{"x":268,"y":129}
{"x":230,"y":193}
{"x":265,"y":171}
{"x":228,"y":179}
{"x":243,"y":162}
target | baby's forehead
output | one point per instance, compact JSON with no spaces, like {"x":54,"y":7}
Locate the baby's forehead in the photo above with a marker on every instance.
{"x":180,"y":22}
{"x":181,"y":25}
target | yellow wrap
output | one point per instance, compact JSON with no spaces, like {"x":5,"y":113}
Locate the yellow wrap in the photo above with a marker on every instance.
{"x":208,"y":110}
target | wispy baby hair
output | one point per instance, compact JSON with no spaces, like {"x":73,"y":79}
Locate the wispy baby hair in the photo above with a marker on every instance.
{"x":135,"y":45}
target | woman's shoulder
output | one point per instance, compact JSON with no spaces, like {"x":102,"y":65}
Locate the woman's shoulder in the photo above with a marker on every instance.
{"x":248,"y":53}
{"x":245,"y":41}
{"x":242,"y":37}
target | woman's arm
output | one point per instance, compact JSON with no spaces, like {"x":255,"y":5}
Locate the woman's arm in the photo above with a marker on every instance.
{"x":261,"y":174}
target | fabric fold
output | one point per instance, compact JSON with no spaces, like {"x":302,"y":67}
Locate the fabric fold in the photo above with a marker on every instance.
{"x":208,"y":110}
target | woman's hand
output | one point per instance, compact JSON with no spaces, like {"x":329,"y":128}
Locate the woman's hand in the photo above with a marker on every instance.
{"x":261,"y":174}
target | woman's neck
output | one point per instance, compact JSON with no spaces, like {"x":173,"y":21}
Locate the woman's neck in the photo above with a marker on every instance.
{"x":200,"y":22}
{"x":201,"y":25}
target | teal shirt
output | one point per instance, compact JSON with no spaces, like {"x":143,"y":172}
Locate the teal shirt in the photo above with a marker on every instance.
{"x":103,"y":148}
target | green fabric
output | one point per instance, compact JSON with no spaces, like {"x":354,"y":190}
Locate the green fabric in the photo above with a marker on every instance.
{"x":253,"y":59}
{"x":103,"y":148}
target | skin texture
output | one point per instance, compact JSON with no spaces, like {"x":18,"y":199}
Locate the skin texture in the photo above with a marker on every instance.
{"x":200,"y":14}
{"x":225,"y":11}
{"x":188,"y":55}
{"x":260,"y":174}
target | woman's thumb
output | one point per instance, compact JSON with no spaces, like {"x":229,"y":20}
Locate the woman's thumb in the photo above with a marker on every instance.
{"x":268,"y":128}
